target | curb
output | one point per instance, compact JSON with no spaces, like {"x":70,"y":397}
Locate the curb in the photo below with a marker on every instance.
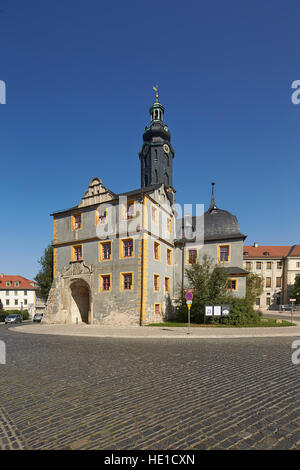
{"x":289,"y":332}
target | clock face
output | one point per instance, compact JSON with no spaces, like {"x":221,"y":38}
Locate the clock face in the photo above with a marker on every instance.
{"x":166,"y":128}
{"x":166,"y":148}
{"x":145,"y":149}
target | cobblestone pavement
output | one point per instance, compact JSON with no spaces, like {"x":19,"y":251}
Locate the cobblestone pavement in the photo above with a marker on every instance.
{"x":59,"y":392}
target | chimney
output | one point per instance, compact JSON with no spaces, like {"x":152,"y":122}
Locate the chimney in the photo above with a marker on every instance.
{"x":255,"y":245}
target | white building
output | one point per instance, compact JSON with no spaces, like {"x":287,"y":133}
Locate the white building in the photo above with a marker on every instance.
{"x":18,"y":293}
{"x":278,"y":266}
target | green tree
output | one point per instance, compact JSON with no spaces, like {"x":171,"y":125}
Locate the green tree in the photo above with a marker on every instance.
{"x":254,"y":287}
{"x":44,"y":277}
{"x":209,"y":282}
{"x":295,"y":290}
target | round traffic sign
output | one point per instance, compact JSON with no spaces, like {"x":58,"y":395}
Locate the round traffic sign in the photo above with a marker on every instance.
{"x":189,"y":296}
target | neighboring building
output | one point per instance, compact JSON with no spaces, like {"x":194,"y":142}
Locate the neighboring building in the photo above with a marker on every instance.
{"x":17,"y":293}
{"x":278,"y":266}
{"x":223,"y":243}
{"x":119,"y":258}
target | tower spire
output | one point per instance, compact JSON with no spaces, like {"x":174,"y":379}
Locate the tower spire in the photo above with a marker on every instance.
{"x":213,"y":205}
{"x":155,"y":88}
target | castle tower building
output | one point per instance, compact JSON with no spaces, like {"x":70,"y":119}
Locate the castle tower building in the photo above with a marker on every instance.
{"x":156,"y":155}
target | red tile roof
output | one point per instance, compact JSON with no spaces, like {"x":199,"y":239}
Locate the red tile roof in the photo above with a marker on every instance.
{"x":24,"y":284}
{"x":295,"y":251}
{"x":259,"y":252}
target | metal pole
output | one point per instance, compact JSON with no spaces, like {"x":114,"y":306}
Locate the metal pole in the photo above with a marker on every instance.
{"x":189,"y":318}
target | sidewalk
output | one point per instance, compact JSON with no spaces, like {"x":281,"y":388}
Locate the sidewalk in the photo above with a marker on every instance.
{"x":145,"y":332}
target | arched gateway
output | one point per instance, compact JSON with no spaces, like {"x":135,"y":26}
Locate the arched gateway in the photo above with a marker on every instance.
{"x":71,"y":296}
{"x":80,"y":302}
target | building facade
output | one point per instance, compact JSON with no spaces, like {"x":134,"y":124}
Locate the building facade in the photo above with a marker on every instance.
{"x":278,"y":267}
{"x":17,"y":293}
{"x":119,"y":259}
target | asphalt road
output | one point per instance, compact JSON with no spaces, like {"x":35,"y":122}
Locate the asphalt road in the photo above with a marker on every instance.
{"x":60,"y":392}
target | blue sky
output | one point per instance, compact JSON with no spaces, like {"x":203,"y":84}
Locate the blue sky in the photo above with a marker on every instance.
{"x":79,"y":77}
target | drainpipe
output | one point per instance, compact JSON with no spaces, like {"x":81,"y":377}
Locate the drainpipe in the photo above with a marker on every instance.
{"x":142,"y":266}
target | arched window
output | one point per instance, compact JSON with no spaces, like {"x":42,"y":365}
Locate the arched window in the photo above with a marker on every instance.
{"x":166,"y":179}
{"x":145,"y":161}
{"x":156,"y":176}
{"x":156,"y":157}
{"x":146,"y":180}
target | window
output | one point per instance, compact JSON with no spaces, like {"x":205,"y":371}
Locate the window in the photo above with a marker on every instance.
{"x":77,"y":253}
{"x":17,"y":283}
{"x":258,"y":265}
{"x":25,"y":301}
{"x":278,"y":281}
{"x":248,"y":266}
{"x":232,"y":284}
{"x":126,"y":281}
{"x":129,"y":214}
{"x":192,"y":256}
{"x":257,"y":301}
{"x":156,"y":282}
{"x":268,"y":300}
{"x":169,"y":225}
{"x":105,"y":282}
{"x":154,"y":214}
{"x":167,"y":284}
{"x":279,"y":264}
{"x":127,"y":248}
{"x":25,"y":292}
{"x":7,"y":301}
{"x":157,"y":309}
{"x":269,"y":265}
{"x":16,"y":301}
{"x":76,"y":221}
{"x":8,"y":283}
{"x":7,"y":292}
{"x":16,"y":292}
{"x":268,"y":282}
{"x":169,"y":257}
{"x":101,"y":216}
{"x":297,"y":265}
{"x":223,"y":253}
{"x":105,"y":251}
{"x":156,"y":248}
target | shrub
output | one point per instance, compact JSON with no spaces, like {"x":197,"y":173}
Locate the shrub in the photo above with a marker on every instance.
{"x":242,"y":313}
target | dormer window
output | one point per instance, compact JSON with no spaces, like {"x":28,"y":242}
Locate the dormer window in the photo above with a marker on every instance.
{"x":17,"y":283}
{"x":8,"y":283}
{"x":266,"y":253}
{"x":246,"y":253}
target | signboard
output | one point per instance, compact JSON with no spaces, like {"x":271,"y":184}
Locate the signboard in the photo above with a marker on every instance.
{"x":292,"y":300}
{"x":225,"y":310}
{"x":217,"y":311}
{"x":209,"y":311}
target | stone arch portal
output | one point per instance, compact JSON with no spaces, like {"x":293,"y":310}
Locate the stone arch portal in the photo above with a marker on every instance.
{"x":80,"y":302}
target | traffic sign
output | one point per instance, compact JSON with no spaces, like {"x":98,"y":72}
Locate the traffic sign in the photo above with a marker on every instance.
{"x":189,"y":296}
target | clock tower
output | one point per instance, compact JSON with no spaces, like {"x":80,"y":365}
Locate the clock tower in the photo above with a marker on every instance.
{"x":156,"y":155}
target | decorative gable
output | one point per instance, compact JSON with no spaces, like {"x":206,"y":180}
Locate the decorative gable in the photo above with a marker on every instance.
{"x":96,"y":194}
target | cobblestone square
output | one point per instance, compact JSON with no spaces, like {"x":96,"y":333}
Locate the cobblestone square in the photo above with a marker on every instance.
{"x":63,"y":392}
